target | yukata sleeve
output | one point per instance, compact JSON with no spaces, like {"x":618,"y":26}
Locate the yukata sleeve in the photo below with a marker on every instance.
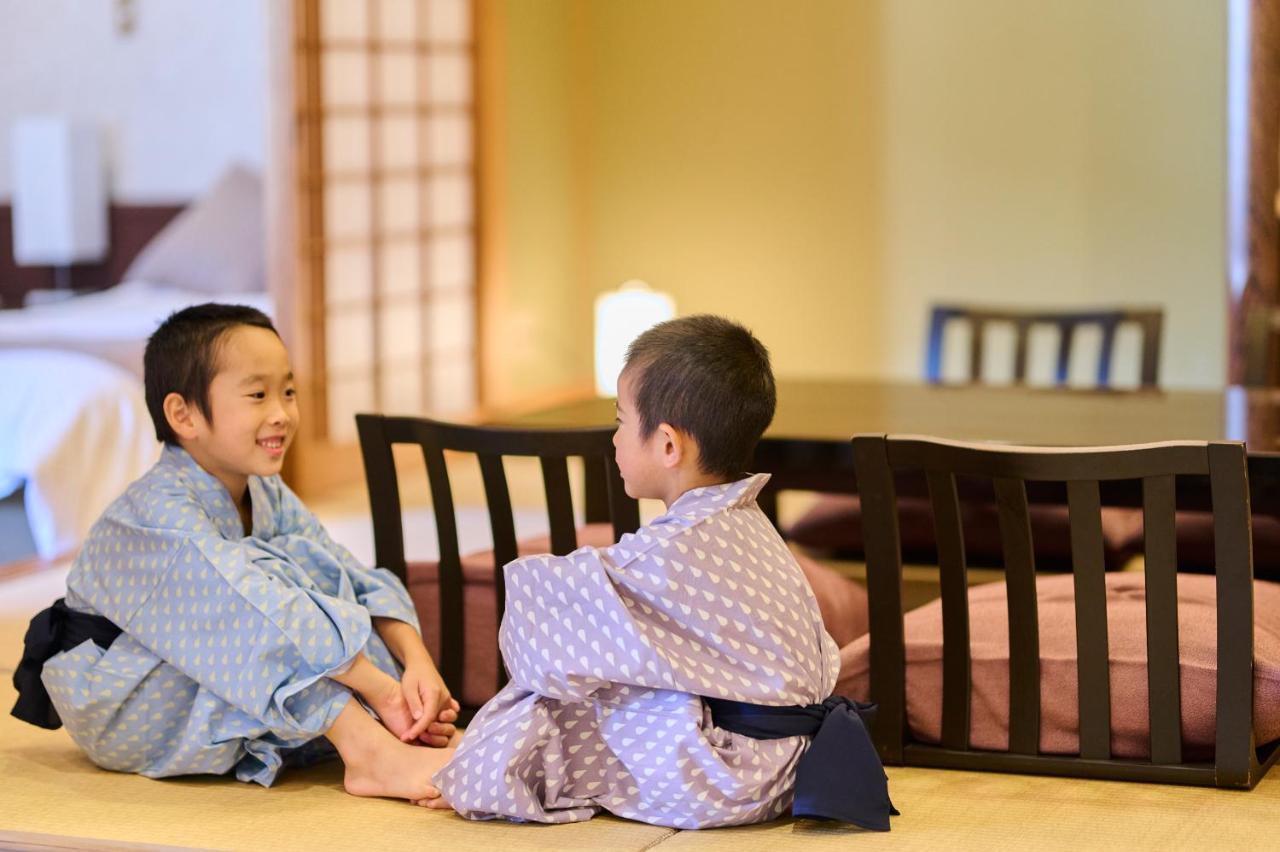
{"x":226,"y":614}
{"x":376,"y":589}
{"x":568,"y":629}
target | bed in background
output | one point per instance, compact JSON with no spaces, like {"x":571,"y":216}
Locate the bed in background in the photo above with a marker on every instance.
{"x":74,"y":429}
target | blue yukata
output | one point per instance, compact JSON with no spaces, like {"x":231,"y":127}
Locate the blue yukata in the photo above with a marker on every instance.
{"x":610,"y":651}
{"x":229,"y":640}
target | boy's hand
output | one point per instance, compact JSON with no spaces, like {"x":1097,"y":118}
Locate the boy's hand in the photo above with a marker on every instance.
{"x":433,"y":709}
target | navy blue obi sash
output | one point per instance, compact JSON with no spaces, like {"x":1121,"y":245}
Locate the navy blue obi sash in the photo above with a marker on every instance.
{"x":840,"y":777}
{"x":51,"y":632}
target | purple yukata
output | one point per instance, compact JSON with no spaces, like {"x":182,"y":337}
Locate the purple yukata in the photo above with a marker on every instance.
{"x":609,"y":652}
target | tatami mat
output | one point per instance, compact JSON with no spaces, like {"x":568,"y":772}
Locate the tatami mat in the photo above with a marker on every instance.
{"x":53,"y":798}
{"x":51,"y":789}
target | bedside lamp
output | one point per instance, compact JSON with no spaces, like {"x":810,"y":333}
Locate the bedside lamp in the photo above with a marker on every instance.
{"x":622,"y":315}
{"x":59,"y":195}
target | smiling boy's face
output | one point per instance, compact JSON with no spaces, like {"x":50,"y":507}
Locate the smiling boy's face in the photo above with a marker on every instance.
{"x":254,"y":409}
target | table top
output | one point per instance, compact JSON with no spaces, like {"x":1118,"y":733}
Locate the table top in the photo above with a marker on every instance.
{"x":815,"y":411}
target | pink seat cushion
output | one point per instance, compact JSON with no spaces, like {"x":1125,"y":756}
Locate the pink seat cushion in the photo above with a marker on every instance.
{"x":1059,"y":712}
{"x":842,"y":602}
{"x":834,"y":524}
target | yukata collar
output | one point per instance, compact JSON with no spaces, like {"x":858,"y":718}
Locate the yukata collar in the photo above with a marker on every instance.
{"x":727,"y":495}
{"x":212,"y":495}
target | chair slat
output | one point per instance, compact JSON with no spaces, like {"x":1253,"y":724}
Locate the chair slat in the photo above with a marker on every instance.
{"x":1105,"y":352}
{"x":1235,"y":760}
{"x":976,"y":344}
{"x":595,"y":490}
{"x":956,"y":682}
{"x":1163,"y":675}
{"x":452,"y":647}
{"x":1093,"y":679}
{"x":1066,"y":339}
{"x":384,"y":494}
{"x":624,"y":510}
{"x":1024,"y":628}
{"x":1022,"y":330}
{"x":498,"y":500}
{"x":555,"y":482}
{"x":884,"y":591}
{"x":933,"y":345}
{"x":1152,"y":324}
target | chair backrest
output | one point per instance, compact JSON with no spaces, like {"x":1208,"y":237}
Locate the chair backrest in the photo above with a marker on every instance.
{"x":1149,"y":321}
{"x":552,"y":447}
{"x":1085,"y":471}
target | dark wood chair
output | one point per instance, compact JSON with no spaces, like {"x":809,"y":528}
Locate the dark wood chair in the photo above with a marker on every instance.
{"x":1088,"y":474}
{"x":460,"y":597}
{"x":831,"y":526}
{"x":1149,"y":321}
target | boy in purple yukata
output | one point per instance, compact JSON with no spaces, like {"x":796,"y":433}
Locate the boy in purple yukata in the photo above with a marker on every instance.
{"x":210,"y":623}
{"x":680,"y":677}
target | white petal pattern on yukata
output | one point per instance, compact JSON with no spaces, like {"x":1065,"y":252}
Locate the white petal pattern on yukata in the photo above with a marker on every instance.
{"x":609,"y":650}
{"x":228,"y":640}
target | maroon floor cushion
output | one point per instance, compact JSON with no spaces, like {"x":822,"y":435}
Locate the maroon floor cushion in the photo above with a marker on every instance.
{"x":834,"y":526}
{"x":842,"y":602}
{"x":1059,"y":713}
{"x":1195,"y":543}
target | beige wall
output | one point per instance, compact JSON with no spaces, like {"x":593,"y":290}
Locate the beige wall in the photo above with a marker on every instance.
{"x":532,"y":291}
{"x":823,"y":169}
{"x":1058,"y":153}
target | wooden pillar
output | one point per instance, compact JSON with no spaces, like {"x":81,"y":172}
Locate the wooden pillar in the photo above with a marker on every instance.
{"x":1254,"y":244}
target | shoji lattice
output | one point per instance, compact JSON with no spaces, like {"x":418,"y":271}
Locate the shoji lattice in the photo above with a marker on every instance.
{"x":386,"y":165}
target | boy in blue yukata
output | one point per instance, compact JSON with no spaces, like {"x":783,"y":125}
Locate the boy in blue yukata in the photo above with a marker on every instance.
{"x":210,"y":623}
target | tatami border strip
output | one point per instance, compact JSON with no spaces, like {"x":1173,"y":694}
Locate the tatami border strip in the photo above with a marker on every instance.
{"x":31,"y":841}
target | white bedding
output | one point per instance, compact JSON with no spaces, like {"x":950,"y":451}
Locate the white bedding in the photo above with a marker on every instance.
{"x":73,"y":420}
{"x":75,"y":430}
{"x":113,"y":324}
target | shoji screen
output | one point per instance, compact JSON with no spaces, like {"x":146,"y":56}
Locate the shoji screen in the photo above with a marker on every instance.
{"x":385,"y":164}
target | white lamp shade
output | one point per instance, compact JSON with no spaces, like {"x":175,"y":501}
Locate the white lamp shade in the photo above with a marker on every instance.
{"x":59,"y":193}
{"x":622,"y":315}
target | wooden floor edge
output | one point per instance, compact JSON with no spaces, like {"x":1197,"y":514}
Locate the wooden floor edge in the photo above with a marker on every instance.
{"x":31,"y":565}
{"x":31,"y":841}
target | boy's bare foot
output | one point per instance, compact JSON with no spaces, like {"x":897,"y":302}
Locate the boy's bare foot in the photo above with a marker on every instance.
{"x":398,"y":771}
{"x":377,"y":764}
{"x":436,"y":802}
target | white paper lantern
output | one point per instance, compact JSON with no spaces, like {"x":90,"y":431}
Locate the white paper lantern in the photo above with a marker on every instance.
{"x":622,"y":315}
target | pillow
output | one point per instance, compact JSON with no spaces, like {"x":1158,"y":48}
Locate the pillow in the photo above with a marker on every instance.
{"x":216,"y":245}
{"x":1127,"y":637}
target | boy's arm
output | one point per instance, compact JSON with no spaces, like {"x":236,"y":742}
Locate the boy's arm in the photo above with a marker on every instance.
{"x":568,"y":629}
{"x":376,"y":589}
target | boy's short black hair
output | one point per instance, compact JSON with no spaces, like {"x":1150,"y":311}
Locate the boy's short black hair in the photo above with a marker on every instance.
{"x":709,"y":377}
{"x":182,"y":357}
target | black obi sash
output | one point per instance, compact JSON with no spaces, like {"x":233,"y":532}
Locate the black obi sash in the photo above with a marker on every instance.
{"x":840,"y":777}
{"x":51,"y":632}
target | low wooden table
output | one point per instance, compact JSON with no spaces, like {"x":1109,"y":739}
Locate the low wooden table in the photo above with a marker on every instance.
{"x":807,"y":446}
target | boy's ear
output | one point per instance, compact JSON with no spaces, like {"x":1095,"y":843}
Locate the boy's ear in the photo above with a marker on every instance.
{"x":181,"y":416}
{"x":674,"y":445}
